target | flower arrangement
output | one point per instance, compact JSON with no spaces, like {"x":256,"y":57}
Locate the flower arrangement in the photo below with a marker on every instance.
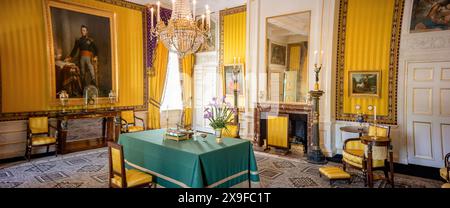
{"x":219,"y":113}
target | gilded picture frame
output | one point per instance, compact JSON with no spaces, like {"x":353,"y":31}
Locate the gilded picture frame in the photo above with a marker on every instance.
{"x":74,"y":9}
{"x":228,"y":83}
{"x":364,"y":83}
{"x":429,"y":15}
{"x":277,"y":54}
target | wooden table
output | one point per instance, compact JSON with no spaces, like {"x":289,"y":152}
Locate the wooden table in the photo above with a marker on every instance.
{"x":371,"y":141}
{"x":110,"y":129}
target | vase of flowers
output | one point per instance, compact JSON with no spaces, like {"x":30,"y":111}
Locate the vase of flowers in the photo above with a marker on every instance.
{"x":219,"y":113}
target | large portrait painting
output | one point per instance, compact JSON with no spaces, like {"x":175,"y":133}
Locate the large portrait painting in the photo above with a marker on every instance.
{"x":229,"y":79}
{"x":430,"y":15}
{"x":82,"y":54}
{"x":365,"y":83}
{"x":277,"y":54}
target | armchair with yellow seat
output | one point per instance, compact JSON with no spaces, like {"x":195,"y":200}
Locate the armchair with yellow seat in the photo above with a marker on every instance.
{"x":128,"y":121}
{"x":38,"y":135}
{"x":445,"y":171}
{"x":119,"y":176}
{"x":231,"y":131}
{"x":354,"y":153}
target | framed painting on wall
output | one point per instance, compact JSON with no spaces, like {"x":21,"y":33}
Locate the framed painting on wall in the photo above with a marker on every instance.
{"x":430,"y":15}
{"x":277,"y":54}
{"x":229,"y":79}
{"x":82,"y":51}
{"x":365,"y":83}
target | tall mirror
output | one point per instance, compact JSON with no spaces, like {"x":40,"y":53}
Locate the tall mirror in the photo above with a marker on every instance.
{"x":287,"y":39}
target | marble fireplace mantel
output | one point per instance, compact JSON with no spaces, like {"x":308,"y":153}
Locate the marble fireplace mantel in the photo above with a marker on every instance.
{"x":275,"y":108}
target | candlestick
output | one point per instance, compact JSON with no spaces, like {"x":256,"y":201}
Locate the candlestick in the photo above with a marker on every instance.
{"x":234,"y":60}
{"x":173,"y":5}
{"x":375,"y":113}
{"x":151,"y":18}
{"x":315,"y":57}
{"x":208,"y":17}
{"x":158,"y":16}
{"x":239,"y":60}
{"x":321,"y":57}
{"x":203,"y":21}
{"x":193,"y":9}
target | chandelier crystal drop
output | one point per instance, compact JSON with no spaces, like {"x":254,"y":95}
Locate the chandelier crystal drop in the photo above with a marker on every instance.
{"x":182,"y":34}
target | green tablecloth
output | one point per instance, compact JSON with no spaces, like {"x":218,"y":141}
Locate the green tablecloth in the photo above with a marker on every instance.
{"x":190,"y":163}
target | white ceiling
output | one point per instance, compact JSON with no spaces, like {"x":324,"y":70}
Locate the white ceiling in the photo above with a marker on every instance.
{"x":288,"y":25}
{"x":214,"y":5}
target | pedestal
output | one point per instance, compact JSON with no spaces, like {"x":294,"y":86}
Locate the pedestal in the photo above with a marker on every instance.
{"x":315,"y":154}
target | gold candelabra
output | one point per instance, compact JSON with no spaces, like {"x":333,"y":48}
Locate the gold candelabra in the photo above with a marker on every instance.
{"x":317,"y":68}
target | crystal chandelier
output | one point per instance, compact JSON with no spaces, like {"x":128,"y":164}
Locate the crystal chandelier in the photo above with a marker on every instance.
{"x":182,"y":34}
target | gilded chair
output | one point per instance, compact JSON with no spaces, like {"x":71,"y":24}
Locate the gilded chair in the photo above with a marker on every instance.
{"x":38,"y":135}
{"x":354,"y":153}
{"x":231,"y":131}
{"x":128,"y":121}
{"x":445,"y":171}
{"x":119,"y":176}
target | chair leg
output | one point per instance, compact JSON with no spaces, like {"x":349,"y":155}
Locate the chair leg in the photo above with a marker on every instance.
{"x":365,"y":178}
{"x":56,"y":150}
{"x":28,"y":153}
{"x":386,"y":173}
{"x":48,"y":148}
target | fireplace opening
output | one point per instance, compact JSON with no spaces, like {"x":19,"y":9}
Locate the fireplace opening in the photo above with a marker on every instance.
{"x":298,"y":130}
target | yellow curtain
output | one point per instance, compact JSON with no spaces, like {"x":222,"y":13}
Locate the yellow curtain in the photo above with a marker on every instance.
{"x":234,"y":33}
{"x":187,"y":72}
{"x":156,"y":86}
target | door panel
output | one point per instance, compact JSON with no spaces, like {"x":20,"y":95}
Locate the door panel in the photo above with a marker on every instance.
{"x":427,"y":113}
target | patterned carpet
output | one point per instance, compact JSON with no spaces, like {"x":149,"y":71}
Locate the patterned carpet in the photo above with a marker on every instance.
{"x":89,"y":169}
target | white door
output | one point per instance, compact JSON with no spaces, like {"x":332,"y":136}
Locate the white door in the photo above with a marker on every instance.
{"x":428,"y":113}
{"x":205,"y":88}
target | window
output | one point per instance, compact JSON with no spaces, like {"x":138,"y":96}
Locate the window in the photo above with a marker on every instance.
{"x":172,"y":92}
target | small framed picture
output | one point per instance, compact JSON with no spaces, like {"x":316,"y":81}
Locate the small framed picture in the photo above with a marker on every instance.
{"x":277,"y":54}
{"x":229,"y":79}
{"x":365,"y":83}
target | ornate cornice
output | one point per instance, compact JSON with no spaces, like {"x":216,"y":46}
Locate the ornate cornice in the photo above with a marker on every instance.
{"x":427,"y":42}
{"x":125,"y":4}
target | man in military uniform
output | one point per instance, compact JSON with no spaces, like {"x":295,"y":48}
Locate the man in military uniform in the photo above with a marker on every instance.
{"x":88,"y":54}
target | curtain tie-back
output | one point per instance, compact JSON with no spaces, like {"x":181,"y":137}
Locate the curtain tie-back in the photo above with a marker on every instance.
{"x":155,"y":103}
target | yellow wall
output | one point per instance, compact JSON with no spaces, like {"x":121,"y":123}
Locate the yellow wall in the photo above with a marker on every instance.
{"x":234,"y":34}
{"x":368,"y":33}
{"x":24,"y":61}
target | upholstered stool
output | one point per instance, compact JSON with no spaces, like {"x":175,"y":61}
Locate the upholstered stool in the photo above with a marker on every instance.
{"x":334,"y":173}
{"x":446,"y":185}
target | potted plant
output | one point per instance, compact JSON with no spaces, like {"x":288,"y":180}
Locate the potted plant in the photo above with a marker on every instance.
{"x":219,"y":113}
